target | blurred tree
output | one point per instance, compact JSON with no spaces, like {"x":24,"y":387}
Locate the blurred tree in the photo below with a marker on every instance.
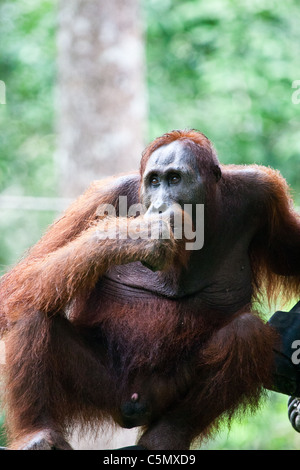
{"x":101,"y":95}
{"x":101,"y":104}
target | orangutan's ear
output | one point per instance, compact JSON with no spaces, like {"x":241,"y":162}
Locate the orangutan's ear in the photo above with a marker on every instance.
{"x":217,"y":172}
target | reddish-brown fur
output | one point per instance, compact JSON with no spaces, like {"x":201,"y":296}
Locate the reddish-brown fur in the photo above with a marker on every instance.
{"x":79,"y":346}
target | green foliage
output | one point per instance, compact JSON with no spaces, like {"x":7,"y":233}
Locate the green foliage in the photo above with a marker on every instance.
{"x":226,"y":68}
{"x":27,"y":66}
{"x":2,"y":434}
{"x":268,"y":429}
{"x":27,"y":142}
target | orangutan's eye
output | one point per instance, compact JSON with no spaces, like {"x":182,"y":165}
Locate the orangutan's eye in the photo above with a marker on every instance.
{"x":174,"y":178}
{"x":154,"y":180}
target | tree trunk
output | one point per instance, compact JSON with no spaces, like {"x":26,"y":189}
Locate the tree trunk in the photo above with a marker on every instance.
{"x":101,"y":97}
{"x":101,"y":109}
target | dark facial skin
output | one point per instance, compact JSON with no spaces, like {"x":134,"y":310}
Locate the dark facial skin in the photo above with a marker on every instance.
{"x":171,"y":176}
{"x":217,"y":272}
